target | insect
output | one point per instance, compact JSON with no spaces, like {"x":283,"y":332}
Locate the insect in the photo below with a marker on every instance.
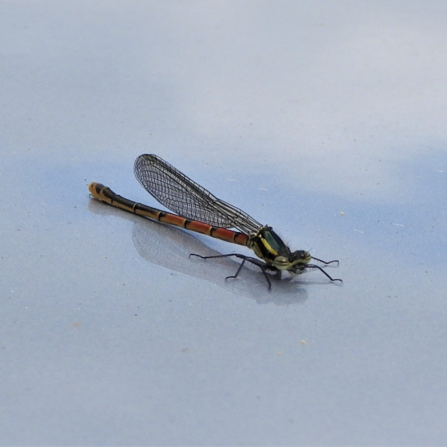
{"x":200,"y":211}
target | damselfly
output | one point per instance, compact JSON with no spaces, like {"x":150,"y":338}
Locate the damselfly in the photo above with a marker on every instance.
{"x":200,"y":211}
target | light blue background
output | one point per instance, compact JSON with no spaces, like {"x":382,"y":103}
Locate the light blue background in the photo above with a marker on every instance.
{"x":326,"y":120}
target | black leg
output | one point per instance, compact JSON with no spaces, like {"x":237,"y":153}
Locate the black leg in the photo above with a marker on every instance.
{"x":312,"y":266}
{"x":266,"y":277}
{"x":324,"y":262}
{"x":262,"y":265}
{"x":238,"y":270}
{"x":218,"y":256}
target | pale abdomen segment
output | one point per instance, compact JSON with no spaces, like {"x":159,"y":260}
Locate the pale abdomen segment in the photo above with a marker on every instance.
{"x":105,"y":194}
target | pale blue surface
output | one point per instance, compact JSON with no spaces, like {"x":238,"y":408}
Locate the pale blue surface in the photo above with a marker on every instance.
{"x":323,"y":119}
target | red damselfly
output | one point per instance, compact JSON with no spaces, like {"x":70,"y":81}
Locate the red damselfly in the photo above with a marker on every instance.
{"x":200,"y":211}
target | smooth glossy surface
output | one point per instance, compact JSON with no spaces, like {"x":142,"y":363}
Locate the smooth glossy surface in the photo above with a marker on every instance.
{"x":325,"y":120}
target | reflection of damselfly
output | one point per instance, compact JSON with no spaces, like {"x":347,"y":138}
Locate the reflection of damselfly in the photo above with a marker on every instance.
{"x":200,"y":211}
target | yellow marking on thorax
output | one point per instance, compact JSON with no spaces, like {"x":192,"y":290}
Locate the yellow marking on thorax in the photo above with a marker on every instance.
{"x":268,"y":246}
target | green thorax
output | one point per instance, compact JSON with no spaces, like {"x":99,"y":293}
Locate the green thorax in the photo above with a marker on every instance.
{"x":270,"y":247}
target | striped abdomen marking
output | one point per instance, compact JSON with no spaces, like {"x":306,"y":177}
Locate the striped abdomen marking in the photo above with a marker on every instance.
{"x":105,"y":194}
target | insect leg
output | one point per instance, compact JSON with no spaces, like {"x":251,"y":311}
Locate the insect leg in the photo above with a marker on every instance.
{"x":313,"y":266}
{"x":254,"y":261}
{"x":325,"y":262}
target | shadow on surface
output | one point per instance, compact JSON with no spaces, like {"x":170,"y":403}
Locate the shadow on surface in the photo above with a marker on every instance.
{"x":170,"y":247}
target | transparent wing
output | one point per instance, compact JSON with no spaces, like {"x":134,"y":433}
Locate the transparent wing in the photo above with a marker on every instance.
{"x":183,"y":196}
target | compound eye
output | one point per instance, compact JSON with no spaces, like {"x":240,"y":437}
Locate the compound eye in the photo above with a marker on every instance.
{"x":281,"y":263}
{"x":301,"y":255}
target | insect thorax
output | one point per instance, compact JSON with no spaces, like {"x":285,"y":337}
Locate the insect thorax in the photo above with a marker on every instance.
{"x":268,"y":246}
